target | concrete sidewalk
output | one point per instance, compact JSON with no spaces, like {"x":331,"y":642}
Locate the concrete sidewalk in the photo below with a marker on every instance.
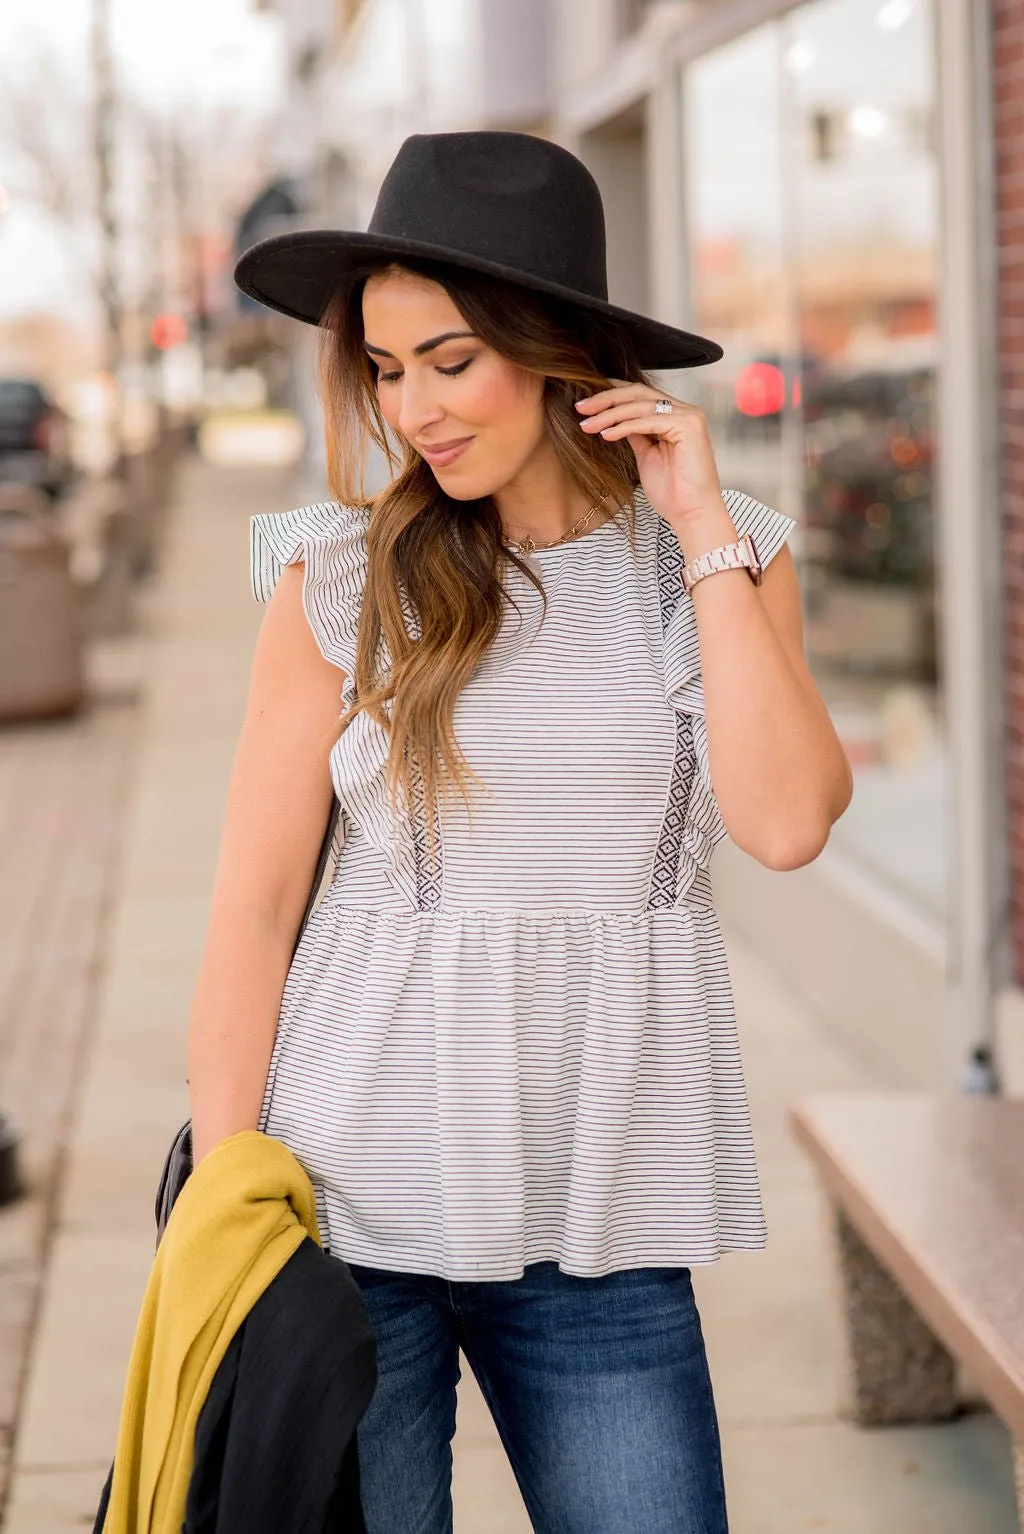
{"x":793,"y":1463}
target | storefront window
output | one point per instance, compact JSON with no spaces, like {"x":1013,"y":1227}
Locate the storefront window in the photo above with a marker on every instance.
{"x":833,"y":368}
{"x":738,"y":266}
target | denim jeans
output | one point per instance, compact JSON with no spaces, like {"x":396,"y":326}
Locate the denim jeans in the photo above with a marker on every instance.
{"x":599,"y":1388}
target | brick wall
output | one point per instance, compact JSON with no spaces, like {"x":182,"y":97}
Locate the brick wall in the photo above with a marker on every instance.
{"x":1008,"y":80}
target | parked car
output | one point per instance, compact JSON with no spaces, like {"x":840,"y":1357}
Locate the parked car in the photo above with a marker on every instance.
{"x":34,"y":437}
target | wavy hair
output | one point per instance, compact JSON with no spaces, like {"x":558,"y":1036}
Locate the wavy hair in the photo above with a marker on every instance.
{"x":438,"y":559}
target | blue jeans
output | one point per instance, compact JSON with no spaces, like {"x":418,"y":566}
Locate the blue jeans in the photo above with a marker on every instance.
{"x":599,"y":1388}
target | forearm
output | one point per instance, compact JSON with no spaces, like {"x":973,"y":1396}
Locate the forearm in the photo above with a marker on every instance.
{"x":232,"y":1025}
{"x":780,"y":775}
{"x":276,"y":810}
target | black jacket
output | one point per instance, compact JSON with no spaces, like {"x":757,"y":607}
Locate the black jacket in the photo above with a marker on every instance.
{"x":275,"y":1449}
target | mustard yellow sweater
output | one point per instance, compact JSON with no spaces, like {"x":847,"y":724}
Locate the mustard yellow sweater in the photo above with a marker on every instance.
{"x":241,"y":1215}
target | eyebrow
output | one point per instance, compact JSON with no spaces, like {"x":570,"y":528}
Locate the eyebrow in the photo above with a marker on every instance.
{"x":425,"y":346}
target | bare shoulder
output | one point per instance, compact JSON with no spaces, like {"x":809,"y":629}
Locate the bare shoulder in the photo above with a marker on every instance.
{"x":286,"y":650}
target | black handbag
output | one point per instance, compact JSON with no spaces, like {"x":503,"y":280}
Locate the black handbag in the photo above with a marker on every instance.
{"x":178,"y":1165}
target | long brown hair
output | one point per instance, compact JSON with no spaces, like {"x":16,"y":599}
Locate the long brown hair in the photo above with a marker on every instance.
{"x":443,"y":558}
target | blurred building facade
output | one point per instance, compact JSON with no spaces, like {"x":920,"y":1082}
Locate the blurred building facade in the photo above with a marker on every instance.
{"x":810,"y":181}
{"x":832,"y":190}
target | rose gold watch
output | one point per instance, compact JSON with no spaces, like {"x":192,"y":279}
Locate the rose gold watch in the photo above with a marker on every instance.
{"x":741,"y":555}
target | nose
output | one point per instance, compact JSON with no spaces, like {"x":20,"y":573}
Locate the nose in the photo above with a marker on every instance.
{"x":419,"y":407}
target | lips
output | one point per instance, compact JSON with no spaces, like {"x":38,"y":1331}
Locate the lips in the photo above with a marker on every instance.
{"x":440,"y":454}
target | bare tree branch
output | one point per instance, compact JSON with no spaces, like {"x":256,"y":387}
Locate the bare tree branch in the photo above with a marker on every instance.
{"x":44,"y":114}
{"x":139,"y":186}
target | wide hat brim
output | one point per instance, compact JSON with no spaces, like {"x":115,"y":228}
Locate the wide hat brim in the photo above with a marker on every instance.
{"x":298,"y":273}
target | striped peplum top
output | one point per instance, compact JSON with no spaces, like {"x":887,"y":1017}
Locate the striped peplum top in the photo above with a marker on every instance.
{"x":523,"y":1048}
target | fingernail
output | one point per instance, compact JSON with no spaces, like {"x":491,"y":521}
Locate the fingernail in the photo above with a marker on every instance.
{"x":581,"y":404}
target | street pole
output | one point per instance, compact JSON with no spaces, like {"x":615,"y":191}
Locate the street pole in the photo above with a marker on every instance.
{"x":11,"y":1185}
{"x":970,"y":540}
{"x":104,"y":134}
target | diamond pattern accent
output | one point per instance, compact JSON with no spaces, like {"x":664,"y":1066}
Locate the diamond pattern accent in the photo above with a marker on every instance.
{"x":428,"y":865}
{"x":665,"y":873}
{"x":670,"y":566}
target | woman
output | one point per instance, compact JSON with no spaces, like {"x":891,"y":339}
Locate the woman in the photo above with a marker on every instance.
{"x":505,"y":1050}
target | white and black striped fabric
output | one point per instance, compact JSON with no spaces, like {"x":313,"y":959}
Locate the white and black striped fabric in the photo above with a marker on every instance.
{"x":525,"y":1049}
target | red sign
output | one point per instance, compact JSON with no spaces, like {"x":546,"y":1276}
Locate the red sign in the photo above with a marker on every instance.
{"x":760,"y":389}
{"x":167,"y":331}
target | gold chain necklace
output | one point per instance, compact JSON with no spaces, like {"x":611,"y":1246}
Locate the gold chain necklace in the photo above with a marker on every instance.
{"x":528,"y":545}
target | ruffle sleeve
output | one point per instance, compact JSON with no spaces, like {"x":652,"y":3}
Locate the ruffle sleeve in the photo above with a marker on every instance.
{"x":684,"y":688}
{"x":703,"y":826}
{"x":330,"y":540}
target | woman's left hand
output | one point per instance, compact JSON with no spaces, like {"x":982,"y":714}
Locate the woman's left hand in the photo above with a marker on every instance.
{"x":673,"y":451}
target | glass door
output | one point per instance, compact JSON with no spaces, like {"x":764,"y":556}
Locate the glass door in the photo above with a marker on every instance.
{"x":812,"y":211}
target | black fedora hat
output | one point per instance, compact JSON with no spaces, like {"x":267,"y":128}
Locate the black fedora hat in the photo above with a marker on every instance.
{"x":509,"y":204}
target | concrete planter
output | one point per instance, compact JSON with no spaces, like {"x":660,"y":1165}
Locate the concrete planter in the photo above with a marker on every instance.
{"x":41,"y":671}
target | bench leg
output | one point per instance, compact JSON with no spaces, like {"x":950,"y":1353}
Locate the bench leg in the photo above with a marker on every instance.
{"x":900,"y":1371}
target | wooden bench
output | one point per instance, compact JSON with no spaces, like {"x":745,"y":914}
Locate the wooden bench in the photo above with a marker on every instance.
{"x":928,"y":1197}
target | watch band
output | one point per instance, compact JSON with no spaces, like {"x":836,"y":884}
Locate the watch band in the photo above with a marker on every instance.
{"x":741,"y":555}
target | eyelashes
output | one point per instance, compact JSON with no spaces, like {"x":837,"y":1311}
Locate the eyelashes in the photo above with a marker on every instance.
{"x":453,"y":372}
